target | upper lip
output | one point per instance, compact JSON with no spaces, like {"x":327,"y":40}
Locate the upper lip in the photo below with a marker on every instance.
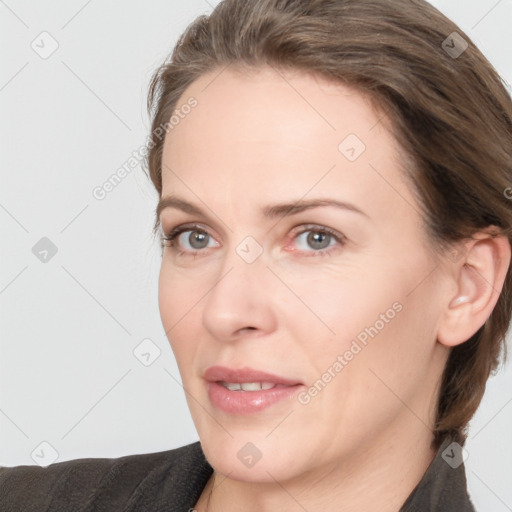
{"x":232,"y":375}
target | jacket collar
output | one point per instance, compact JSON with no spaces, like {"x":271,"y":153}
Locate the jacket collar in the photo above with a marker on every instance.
{"x":443,"y":487}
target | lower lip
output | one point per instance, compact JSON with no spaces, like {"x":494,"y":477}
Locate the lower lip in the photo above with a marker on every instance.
{"x":247,"y":402}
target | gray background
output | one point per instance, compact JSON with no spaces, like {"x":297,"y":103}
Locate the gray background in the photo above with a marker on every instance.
{"x":70,"y":384}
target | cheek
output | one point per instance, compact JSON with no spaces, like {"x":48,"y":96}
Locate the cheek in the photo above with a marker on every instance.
{"x":178,"y":301}
{"x":167,"y":299}
{"x":370,"y":314}
{"x":338,"y":303}
{"x":178,"y":294}
{"x":386,"y":350}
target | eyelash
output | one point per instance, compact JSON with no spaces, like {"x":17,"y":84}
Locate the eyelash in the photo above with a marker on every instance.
{"x":169,"y":239}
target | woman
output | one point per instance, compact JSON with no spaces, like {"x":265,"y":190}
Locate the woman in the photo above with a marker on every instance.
{"x":335,"y":278}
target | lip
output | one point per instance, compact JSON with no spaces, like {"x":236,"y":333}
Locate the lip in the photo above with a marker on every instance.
{"x":247,"y":402}
{"x":224,"y":374}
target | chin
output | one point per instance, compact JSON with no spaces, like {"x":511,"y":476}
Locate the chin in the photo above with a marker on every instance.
{"x":258,"y":460}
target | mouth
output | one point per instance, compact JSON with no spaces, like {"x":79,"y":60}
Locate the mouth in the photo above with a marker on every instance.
{"x":246,"y":375}
{"x":245,"y":391}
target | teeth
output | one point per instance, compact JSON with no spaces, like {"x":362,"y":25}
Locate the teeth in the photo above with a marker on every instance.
{"x":232,"y":387}
{"x":247,"y":386}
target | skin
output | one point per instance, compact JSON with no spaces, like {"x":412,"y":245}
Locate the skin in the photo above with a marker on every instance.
{"x":263,"y":137}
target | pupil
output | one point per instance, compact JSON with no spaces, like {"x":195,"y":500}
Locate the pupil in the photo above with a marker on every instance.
{"x":316,"y":240}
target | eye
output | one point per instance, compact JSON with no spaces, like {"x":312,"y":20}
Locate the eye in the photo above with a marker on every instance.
{"x":192,"y":238}
{"x":316,"y":239}
{"x":312,"y":240}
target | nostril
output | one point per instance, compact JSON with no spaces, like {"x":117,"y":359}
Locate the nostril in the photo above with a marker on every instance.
{"x":250,"y":328}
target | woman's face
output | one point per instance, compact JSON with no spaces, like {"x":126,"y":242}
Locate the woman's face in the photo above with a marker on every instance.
{"x":340,"y":303}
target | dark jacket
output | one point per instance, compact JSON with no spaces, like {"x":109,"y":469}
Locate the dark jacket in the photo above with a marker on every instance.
{"x":173,"y":481}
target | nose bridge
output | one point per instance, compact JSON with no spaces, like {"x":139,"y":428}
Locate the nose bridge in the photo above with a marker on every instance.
{"x":240,"y":296}
{"x":242,"y":274}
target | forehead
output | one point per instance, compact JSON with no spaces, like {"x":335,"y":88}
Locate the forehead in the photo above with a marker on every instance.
{"x":277,"y":107}
{"x":275,"y":131}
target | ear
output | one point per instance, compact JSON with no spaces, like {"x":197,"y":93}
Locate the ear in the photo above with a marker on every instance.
{"x":479,"y":274}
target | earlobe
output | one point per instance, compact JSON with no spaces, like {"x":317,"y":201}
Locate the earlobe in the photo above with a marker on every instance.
{"x":479,"y":277}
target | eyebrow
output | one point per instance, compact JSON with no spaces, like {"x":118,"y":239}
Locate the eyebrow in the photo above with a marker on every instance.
{"x":270,"y":211}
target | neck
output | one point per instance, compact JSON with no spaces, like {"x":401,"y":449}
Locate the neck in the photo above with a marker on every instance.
{"x":385,"y":473}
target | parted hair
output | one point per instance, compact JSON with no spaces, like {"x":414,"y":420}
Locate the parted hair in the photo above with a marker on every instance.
{"x":444,"y":103}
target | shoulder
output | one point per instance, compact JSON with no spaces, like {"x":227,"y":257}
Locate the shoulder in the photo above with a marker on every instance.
{"x":131,"y":482}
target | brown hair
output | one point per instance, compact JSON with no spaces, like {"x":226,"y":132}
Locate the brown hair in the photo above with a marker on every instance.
{"x":450,"y":113}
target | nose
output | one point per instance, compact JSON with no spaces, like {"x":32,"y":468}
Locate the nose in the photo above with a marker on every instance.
{"x":241,"y":300}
